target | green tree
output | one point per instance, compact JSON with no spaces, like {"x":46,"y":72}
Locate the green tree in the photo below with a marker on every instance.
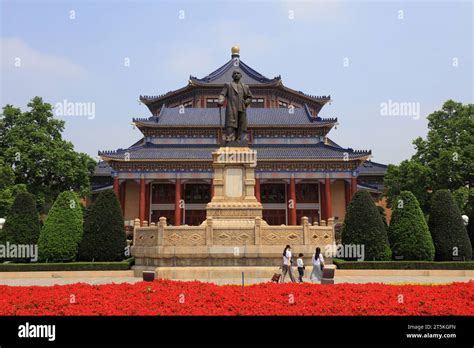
{"x":8,"y":188}
{"x":470,"y":226}
{"x":447,"y":228}
{"x":408,"y":232}
{"x":22,"y":225}
{"x":462,"y":197}
{"x":444,"y":160}
{"x":62,"y":230}
{"x":408,"y":176}
{"x":448,"y":150}
{"x":31,"y":145}
{"x":363,"y":225}
{"x":104,"y":234}
{"x":383,"y":215}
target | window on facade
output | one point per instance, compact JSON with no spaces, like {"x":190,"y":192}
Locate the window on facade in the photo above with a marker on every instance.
{"x":162,"y":193}
{"x":307,"y":193}
{"x":282,"y":104}
{"x":272,"y":193}
{"x":197,"y":193}
{"x":211,"y":102}
{"x":258,"y":103}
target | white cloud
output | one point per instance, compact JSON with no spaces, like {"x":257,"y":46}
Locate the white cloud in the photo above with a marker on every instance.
{"x":17,"y":54}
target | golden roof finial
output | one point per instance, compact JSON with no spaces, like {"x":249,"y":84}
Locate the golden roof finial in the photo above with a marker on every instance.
{"x":235,"y":50}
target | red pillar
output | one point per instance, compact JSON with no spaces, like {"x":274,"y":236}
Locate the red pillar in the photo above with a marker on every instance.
{"x":141,"y":206}
{"x":177,"y":208}
{"x":323,"y":201}
{"x":292,"y":203}
{"x":147,"y":201}
{"x":123,"y":195}
{"x":116,"y":186}
{"x":327,"y":187}
{"x":353,"y":185}
{"x":347,"y":192}
{"x":257,"y":190}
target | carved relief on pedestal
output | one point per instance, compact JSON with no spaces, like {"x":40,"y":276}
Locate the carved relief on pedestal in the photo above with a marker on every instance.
{"x":281,"y":237}
{"x":176,"y":237}
{"x":146,"y":237}
{"x":234,"y":237}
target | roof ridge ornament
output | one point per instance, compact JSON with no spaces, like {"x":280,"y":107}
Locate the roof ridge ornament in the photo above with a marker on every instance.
{"x":235,"y":51}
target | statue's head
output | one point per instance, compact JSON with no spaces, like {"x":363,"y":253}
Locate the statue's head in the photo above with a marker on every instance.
{"x":236,"y":75}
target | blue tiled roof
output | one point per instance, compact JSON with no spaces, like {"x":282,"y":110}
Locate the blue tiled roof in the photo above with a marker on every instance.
{"x":256,"y":117}
{"x":264,"y":152}
{"x":372,"y":168}
{"x":224,"y":74}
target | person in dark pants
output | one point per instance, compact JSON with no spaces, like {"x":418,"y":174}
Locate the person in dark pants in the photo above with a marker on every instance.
{"x":300,"y":265}
{"x":286,"y":268}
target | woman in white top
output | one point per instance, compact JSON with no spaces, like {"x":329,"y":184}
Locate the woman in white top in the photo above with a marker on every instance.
{"x":287,"y":264}
{"x":318,"y":261}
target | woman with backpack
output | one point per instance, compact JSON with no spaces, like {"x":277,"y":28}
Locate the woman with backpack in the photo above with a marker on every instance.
{"x":286,"y":268}
{"x":318,"y":265}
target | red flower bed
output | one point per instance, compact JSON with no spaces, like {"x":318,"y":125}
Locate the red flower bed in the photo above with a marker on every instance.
{"x":164,"y":297}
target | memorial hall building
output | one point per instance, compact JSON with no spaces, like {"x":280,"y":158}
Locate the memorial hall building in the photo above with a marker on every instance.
{"x":300,"y":171}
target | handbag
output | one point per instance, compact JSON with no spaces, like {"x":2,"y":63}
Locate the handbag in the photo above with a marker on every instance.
{"x":276,"y":277}
{"x":322,"y":266}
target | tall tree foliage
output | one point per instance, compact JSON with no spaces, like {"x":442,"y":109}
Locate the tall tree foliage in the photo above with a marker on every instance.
{"x":408,"y":233}
{"x":104,"y":233}
{"x":62,"y":231}
{"x":363,"y":225}
{"x":447,"y":229}
{"x":32,"y":146}
{"x":444,"y":160}
{"x":22,"y":225}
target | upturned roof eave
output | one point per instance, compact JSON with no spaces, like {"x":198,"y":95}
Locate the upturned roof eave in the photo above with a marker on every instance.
{"x":271,"y":160}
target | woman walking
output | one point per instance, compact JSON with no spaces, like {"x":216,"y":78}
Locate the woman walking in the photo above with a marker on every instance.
{"x":287,"y":264}
{"x":318,"y":265}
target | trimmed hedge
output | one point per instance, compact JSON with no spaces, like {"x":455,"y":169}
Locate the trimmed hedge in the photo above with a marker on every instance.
{"x":22,"y":225}
{"x":447,"y":228}
{"x":447,"y":265}
{"x":470,"y":226}
{"x":363,"y":225}
{"x":408,"y":233}
{"x":62,"y":231}
{"x":68,"y":266}
{"x":104,"y":236}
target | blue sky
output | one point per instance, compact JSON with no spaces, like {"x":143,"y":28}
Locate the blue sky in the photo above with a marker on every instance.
{"x":405,"y":52}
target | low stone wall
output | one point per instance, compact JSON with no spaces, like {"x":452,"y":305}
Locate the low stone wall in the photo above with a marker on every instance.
{"x":249,"y":243}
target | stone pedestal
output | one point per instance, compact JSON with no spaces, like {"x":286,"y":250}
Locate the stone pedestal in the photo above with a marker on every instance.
{"x":234,"y":186}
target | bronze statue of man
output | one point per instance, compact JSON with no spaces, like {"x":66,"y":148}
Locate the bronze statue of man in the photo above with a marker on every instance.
{"x":239,"y":98}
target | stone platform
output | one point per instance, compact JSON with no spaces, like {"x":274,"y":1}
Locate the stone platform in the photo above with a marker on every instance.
{"x":234,"y":233}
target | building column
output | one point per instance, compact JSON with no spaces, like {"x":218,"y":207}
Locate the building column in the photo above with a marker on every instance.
{"x":177,"y":207}
{"x":141,"y":205}
{"x":123,"y":195}
{"x":322,"y":204}
{"x":327,"y":187}
{"x":347,"y":192}
{"x":212,"y":188}
{"x":292,"y":202}
{"x":116,"y":186}
{"x":257,"y":190}
{"x":353,"y":185}
{"x":147,"y":202}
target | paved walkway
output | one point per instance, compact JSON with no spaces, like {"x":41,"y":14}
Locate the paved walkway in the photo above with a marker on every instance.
{"x":338,"y":280}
